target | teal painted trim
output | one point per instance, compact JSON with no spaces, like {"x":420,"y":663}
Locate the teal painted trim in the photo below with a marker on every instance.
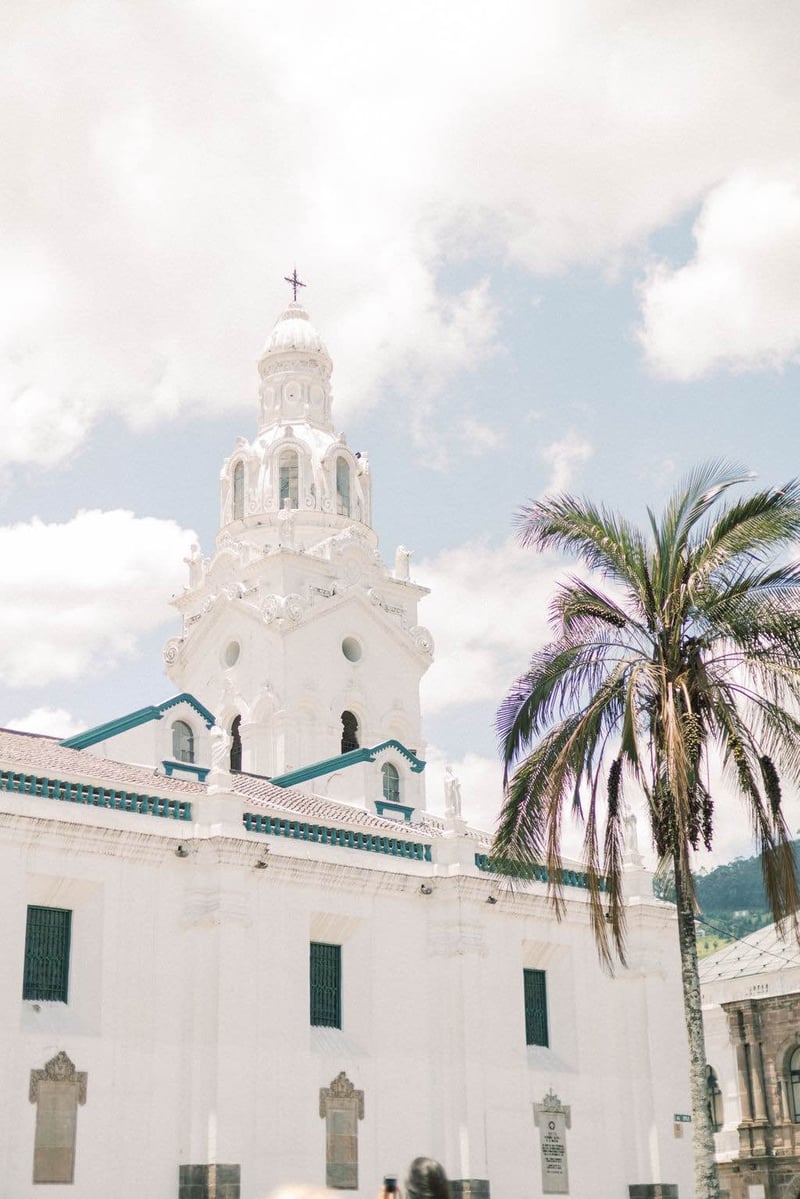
{"x":96,"y":797}
{"x":534,"y":871}
{"x":320,"y":834}
{"x":112,"y":728}
{"x":200,"y":772}
{"x":343,"y":761}
{"x":385,"y":805}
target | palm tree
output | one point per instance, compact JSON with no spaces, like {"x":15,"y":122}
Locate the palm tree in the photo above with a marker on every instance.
{"x":692,"y":651}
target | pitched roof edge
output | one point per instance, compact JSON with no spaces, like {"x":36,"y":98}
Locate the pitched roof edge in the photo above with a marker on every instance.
{"x":343,"y":761}
{"x":112,"y":728}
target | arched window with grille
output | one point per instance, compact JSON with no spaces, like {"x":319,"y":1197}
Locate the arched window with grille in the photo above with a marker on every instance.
{"x":182,"y":742}
{"x":236,"y":743}
{"x":342,"y":487}
{"x":288,"y":479}
{"x":238,"y":491}
{"x":714,"y":1099}
{"x":391,"y":782}
{"x":349,"y":732}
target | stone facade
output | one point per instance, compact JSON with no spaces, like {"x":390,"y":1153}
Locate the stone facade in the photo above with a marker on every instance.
{"x":764,"y":1033}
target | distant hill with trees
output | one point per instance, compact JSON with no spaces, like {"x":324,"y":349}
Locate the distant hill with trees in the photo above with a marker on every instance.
{"x":732,"y":901}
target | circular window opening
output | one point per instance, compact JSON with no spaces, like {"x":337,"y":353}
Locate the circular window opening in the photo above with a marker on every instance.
{"x":232,"y":651}
{"x":351,"y":648}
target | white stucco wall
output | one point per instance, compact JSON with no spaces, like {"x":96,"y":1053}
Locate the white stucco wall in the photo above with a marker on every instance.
{"x":189,"y":1010}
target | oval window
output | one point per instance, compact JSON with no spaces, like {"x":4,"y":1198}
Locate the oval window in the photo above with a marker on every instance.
{"x":351,"y":648}
{"x":232,"y":651}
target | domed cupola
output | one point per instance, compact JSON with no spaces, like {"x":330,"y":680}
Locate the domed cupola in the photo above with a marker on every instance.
{"x":295,"y":369}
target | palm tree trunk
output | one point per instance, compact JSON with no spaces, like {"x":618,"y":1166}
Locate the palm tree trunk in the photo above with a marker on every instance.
{"x":705,"y":1169}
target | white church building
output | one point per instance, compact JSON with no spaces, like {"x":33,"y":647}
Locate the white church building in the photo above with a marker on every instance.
{"x":237,"y":949}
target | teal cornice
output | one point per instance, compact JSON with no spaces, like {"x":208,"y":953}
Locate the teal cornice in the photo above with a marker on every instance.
{"x":343,"y":761}
{"x":112,"y":728}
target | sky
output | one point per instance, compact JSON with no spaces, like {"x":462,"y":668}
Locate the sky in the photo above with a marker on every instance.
{"x":550,"y":245}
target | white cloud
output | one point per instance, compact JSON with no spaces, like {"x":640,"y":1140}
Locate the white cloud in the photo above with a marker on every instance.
{"x":564,"y":457}
{"x":156,"y":199}
{"x":487,"y":612}
{"x":77,"y":596}
{"x":736,"y":304}
{"x":53,"y":722}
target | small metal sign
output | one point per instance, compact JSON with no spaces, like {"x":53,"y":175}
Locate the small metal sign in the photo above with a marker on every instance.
{"x":682,"y":1118}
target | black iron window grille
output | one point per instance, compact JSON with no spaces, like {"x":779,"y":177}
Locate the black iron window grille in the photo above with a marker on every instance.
{"x":326,"y":984}
{"x":535,"y":1007}
{"x":47,"y":939}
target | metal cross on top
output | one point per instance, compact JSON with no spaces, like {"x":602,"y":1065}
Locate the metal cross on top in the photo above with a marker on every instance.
{"x":295,"y":282}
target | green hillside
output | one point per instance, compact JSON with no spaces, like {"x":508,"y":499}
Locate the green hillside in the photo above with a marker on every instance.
{"x":732,"y":902}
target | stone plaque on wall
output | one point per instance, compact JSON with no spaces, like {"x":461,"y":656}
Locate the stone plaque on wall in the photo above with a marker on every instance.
{"x":341,"y":1106}
{"x":56,"y":1090}
{"x":552,"y":1119}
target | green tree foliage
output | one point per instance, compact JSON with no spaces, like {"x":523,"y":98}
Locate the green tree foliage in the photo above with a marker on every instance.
{"x":694,"y":646}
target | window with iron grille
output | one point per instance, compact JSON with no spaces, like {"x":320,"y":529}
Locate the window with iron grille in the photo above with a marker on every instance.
{"x":326,"y":984}
{"x":47,"y":937}
{"x":535,"y":1007}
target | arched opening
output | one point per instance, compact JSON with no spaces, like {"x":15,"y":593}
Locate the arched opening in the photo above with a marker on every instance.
{"x":714,"y":1099}
{"x":288,"y":479}
{"x":238,"y":491}
{"x":236,"y":743}
{"x":182,"y":742}
{"x":391,"y":782}
{"x":794,"y":1085}
{"x":349,"y":732}
{"x":342,"y":487}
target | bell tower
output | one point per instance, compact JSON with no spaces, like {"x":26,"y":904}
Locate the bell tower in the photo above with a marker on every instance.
{"x":295,"y":633}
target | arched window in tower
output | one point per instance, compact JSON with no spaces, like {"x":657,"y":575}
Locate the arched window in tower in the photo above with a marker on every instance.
{"x":236,"y":743}
{"x":349,"y":732}
{"x":391,"y":783}
{"x":288,"y":480}
{"x":182,"y":742}
{"x":794,"y":1085}
{"x":238,"y":491}
{"x":342,"y":487}
{"x":714,"y":1099}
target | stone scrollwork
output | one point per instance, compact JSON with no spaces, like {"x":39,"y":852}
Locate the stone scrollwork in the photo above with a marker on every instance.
{"x":422,"y":638}
{"x":283,"y":608}
{"x":58,"y":1069}
{"x":270,"y":608}
{"x":171,"y":650}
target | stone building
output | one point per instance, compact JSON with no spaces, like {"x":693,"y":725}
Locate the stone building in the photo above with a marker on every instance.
{"x":751,"y":1001}
{"x":238,"y":949}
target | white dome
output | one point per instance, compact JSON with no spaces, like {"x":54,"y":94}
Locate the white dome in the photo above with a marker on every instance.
{"x":294,"y":331}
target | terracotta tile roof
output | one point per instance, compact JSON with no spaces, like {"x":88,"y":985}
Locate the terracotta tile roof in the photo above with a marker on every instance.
{"x":34,"y":754}
{"x":31,"y":753}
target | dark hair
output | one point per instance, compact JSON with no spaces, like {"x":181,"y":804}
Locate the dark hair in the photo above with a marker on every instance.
{"x":426,"y":1180}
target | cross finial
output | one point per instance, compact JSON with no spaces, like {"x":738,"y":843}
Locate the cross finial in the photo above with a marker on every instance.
{"x":295,"y":282}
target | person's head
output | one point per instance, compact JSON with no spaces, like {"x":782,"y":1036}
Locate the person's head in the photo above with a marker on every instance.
{"x":426,"y":1180}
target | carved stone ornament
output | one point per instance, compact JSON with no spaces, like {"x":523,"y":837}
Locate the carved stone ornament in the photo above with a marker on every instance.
{"x":58,"y":1069}
{"x":341,"y":1088}
{"x":171,"y":650}
{"x":422,"y":638}
{"x":552,"y":1103}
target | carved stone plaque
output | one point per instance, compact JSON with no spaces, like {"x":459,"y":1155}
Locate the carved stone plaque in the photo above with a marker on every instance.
{"x":341,"y":1106}
{"x":552,"y":1119}
{"x":56,"y":1090}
